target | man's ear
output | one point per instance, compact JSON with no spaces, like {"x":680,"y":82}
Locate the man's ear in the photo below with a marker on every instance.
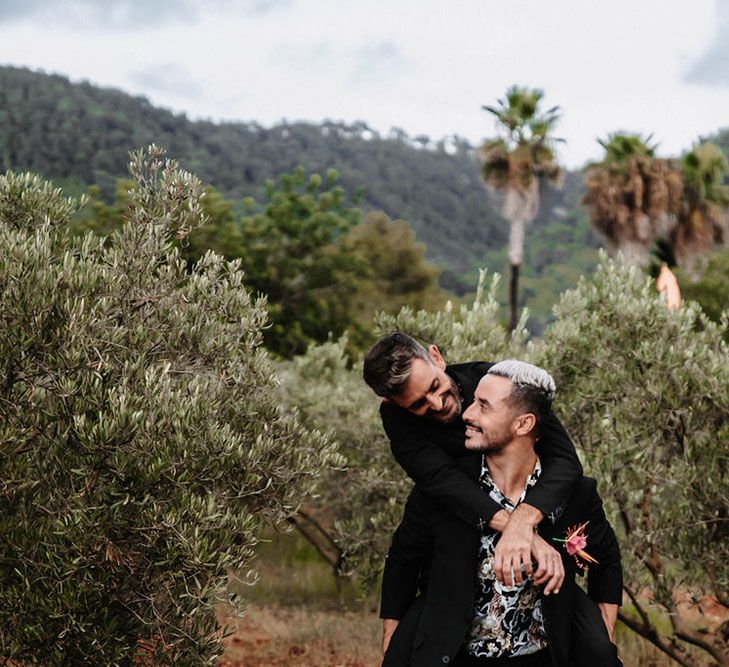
{"x":435,"y":355}
{"x":525,"y":423}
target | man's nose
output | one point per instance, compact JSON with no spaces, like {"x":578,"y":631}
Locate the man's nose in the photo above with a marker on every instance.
{"x":435,"y":401}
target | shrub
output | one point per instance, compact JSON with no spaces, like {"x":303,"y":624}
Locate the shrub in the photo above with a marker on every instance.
{"x":644,"y":392}
{"x":143,"y":447}
{"x":364,"y":502}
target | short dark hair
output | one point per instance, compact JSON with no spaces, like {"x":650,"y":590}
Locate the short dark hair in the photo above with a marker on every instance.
{"x":388,"y":362}
{"x":532,"y":387}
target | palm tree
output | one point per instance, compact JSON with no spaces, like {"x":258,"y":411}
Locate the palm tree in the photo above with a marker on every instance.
{"x":515,"y":162}
{"x":703,"y":221}
{"x":634,"y":197}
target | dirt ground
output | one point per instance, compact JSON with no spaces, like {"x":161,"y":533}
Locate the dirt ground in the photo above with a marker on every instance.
{"x":298,"y":637}
{"x":274,"y":636}
{"x":298,"y":617}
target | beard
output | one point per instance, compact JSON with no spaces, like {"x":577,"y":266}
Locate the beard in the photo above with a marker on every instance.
{"x":492,"y":442}
{"x":451,"y":405}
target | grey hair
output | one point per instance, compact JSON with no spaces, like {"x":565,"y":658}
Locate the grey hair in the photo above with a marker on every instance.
{"x":388,"y":363}
{"x":532,"y":388}
{"x":525,"y":375}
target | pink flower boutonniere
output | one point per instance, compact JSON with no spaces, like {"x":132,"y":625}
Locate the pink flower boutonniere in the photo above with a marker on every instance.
{"x":575,"y":543}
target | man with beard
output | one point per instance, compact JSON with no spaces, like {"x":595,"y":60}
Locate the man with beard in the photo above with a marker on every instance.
{"x":465,"y":615}
{"x":423,"y":400}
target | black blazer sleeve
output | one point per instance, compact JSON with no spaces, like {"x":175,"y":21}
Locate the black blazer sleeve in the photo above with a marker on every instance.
{"x":434,"y":471}
{"x":561,"y":468}
{"x":604,"y":579}
{"x":406,"y":560}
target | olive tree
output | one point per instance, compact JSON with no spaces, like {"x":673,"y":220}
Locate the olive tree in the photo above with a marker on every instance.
{"x":142,"y":446}
{"x":644,"y":392}
{"x":355,"y":506}
{"x":358,"y":507}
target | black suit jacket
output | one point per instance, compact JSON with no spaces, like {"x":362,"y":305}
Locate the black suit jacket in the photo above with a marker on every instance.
{"x":429,"y":452}
{"x":430,"y":539}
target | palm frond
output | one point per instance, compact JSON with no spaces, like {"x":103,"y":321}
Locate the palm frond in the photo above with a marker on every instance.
{"x":493,"y":110}
{"x":634,"y":198}
{"x":525,"y":135}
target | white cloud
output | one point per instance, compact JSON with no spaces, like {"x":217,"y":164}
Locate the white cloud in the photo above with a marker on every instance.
{"x":129,"y":14}
{"x":377,"y":61}
{"x":424,"y":66}
{"x":712,"y":67}
{"x":168,"y":78}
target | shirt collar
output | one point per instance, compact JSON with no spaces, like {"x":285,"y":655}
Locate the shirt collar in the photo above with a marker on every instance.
{"x":487,"y":481}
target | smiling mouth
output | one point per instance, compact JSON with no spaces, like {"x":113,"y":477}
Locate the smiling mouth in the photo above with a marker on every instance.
{"x":472,"y":430}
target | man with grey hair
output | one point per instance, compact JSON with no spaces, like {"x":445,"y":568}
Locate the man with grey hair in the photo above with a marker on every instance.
{"x":423,"y":400}
{"x":526,"y":376}
{"x":464,"y":615}
{"x":531,"y":390}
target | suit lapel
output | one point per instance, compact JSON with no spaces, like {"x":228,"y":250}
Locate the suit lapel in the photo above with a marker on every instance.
{"x":470,"y":464}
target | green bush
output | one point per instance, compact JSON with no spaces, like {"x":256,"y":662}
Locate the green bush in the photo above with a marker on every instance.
{"x":365,"y":501}
{"x":143,"y":447}
{"x":644,"y":392}
{"x":711,"y":291}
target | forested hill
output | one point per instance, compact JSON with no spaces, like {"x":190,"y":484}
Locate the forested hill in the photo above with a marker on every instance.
{"x":77,"y":133}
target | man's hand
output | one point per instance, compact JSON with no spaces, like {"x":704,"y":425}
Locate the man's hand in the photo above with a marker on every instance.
{"x":499,"y":520}
{"x":388,"y":628}
{"x":514,"y":548}
{"x":550,"y":569}
{"x":609,"y":613}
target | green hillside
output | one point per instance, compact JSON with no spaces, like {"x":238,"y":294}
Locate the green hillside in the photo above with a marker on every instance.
{"x":80,"y":134}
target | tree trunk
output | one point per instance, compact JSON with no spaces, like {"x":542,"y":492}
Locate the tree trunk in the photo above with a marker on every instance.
{"x":516,"y":253}
{"x":514,"y":296}
{"x":319,"y":536}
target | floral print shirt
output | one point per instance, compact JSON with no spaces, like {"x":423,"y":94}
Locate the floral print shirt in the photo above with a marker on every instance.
{"x":508,"y":620}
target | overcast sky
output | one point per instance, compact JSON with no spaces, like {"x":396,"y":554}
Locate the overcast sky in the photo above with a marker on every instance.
{"x":426,"y":66}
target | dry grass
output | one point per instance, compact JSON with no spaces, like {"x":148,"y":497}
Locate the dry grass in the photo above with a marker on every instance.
{"x":301,"y":637}
{"x":270,"y":636}
{"x":300,"y":616}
